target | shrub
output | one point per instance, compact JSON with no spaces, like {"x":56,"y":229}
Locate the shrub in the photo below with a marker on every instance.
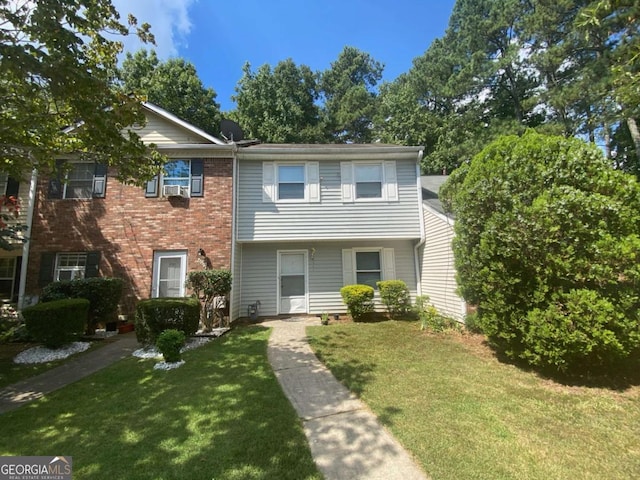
{"x":431,"y":319}
{"x":10,"y":323}
{"x":547,"y":247}
{"x":206,"y":285}
{"x":155,"y":315}
{"x":103,"y":294}
{"x":395,"y":296}
{"x":57,"y":323}
{"x":169,"y":343}
{"x":358,"y":299}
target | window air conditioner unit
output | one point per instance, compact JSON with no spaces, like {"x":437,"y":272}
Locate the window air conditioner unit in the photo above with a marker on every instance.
{"x":175,"y":191}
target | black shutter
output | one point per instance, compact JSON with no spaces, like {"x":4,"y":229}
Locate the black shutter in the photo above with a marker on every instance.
{"x":47,"y":265}
{"x":93,"y":265}
{"x":152,"y":187}
{"x":100,"y":180}
{"x":197,"y":177}
{"x":13,"y":187}
{"x":55,"y":183}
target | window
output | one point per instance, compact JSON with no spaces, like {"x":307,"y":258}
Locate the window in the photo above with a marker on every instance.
{"x":9,"y":186}
{"x":82,"y":180}
{"x":7,"y":277}
{"x":55,"y":266}
{"x":70,"y":266}
{"x":182,"y":172}
{"x":367,"y":265}
{"x":369,"y":181}
{"x":290,"y":182}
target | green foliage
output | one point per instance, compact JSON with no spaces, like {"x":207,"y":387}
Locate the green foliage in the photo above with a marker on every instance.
{"x":169,"y":343}
{"x":324,"y":318}
{"x":58,"y":60}
{"x":206,"y":285}
{"x":103,"y":294}
{"x":155,"y":315}
{"x":10,"y":322}
{"x":395,"y":296}
{"x":58,"y":322}
{"x":544,"y":226}
{"x":431,"y":319}
{"x":278,"y":105}
{"x":358,"y":299}
{"x":173,"y":85}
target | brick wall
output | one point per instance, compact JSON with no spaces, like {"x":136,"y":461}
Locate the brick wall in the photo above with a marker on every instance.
{"x":127,"y":228}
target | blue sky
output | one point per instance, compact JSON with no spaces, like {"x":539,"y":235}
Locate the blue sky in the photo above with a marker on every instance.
{"x":219,"y":37}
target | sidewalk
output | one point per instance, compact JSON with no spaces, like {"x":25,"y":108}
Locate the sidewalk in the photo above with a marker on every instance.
{"x":346,"y":439}
{"x":16,"y":395}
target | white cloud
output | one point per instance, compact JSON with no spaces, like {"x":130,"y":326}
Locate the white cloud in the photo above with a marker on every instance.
{"x":169,"y":20}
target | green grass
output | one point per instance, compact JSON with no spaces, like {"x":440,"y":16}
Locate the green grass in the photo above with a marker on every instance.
{"x":465,"y":415}
{"x":222,"y":415}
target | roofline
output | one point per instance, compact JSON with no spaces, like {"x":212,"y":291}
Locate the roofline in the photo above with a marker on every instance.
{"x":172,"y":118}
{"x":308,"y":152}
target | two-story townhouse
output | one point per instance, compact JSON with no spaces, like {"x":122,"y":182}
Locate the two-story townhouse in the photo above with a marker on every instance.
{"x":89,"y":224}
{"x":313,"y":218}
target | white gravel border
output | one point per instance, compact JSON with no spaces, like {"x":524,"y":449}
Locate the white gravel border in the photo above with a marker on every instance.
{"x":44,"y":354}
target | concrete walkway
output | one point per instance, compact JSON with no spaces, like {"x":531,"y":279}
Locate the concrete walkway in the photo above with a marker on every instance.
{"x":16,"y":395}
{"x":346,"y":439}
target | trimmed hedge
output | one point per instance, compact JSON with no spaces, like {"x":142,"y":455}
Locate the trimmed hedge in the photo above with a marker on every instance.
{"x":58,"y":322}
{"x":103,"y":294}
{"x":395,"y":296}
{"x":358,"y":299}
{"x":155,"y":315}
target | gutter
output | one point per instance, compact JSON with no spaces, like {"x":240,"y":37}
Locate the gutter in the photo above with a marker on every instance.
{"x":423,"y":238}
{"x":234,"y":180}
{"x":25,"y":247}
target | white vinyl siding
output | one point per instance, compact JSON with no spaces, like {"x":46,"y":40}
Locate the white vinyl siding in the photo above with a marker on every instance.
{"x":262,"y":218}
{"x":438,"y":273}
{"x":163,"y":132}
{"x":23,"y":200}
{"x":257,"y":274}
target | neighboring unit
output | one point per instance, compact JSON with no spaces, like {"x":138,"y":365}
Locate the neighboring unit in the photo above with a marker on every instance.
{"x":438,"y":272}
{"x":313,"y":218}
{"x":89,"y":224}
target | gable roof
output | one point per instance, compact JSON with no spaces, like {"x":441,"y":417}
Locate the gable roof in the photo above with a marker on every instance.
{"x":186,"y":125}
{"x":430,"y":191}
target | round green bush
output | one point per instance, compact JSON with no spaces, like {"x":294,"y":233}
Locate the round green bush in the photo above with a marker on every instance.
{"x":58,"y":322}
{"x":358,"y":299}
{"x":154,"y":315}
{"x":547,"y":246}
{"x":169,"y":343}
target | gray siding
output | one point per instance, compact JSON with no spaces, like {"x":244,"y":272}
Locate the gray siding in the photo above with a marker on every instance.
{"x":438,"y":273}
{"x":258,"y":277}
{"x":331,"y":218}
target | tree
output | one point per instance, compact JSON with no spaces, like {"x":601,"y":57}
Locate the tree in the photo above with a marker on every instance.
{"x":56,"y":88}
{"x":173,"y":85}
{"x":349,"y":96}
{"x":278,"y":105}
{"x":547,"y":246}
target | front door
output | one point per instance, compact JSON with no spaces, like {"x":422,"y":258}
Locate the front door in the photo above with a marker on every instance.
{"x":169,"y":274}
{"x":292,"y":281}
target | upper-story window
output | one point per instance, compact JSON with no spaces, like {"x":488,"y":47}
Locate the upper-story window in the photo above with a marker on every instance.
{"x":9,"y":186}
{"x":290,"y":182}
{"x":364,"y":181}
{"x":183,"y":177}
{"x":80,"y":180}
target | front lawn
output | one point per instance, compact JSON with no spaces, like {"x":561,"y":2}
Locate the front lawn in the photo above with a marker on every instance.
{"x":465,"y":415}
{"x":221,"y":415}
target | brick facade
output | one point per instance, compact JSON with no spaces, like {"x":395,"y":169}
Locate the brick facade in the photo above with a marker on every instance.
{"x":127,"y":228}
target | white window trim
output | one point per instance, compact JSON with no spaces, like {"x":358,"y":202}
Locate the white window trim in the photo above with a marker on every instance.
{"x":163,"y":177}
{"x":82,"y":270}
{"x":159,"y":254}
{"x":270,"y":182}
{"x":387,"y":263}
{"x":306,"y":278}
{"x":389,"y":191}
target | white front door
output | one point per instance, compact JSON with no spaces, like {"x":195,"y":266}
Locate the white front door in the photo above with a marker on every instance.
{"x":169,"y":274}
{"x":292,"y":281}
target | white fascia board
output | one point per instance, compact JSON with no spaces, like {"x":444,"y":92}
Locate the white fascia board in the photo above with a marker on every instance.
{"x":329,"y":153}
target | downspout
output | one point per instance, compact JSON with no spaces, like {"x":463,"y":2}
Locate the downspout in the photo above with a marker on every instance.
{"x":234,"y":176}
{"x":25,"y":247}
{"x":423,"y":238}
